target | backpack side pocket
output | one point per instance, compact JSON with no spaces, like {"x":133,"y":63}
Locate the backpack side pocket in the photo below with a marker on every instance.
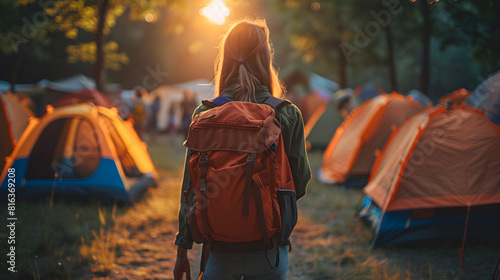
{"x":287,"y":200}
{"x":193,"y":224}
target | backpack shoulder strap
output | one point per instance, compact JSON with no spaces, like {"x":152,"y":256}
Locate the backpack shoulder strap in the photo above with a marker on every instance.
{"x":218,"y":101}
{"x":276,"y":103}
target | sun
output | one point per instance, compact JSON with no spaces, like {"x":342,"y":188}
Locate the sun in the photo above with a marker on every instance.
{"x":216,"y":12}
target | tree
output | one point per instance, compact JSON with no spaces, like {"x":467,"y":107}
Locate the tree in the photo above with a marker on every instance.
{"x":377,"y":19}
{"x":425,"y":73}
{"x":343,"y":33}
{"x":417,"y":18}
{"x":390,"y":59}
{"x":23,"y":32}
{"x":475,"y":23}
{"x":98,"y":17}
{"x":316,"y":31}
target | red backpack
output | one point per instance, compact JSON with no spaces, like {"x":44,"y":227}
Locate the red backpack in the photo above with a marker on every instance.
{"x":239,"y":171}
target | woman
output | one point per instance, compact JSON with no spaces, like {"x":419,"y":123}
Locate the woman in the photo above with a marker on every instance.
{"x":245,"y":72}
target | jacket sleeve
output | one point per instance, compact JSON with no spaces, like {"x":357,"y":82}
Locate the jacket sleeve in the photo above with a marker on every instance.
{"x":183,"y":237}
{"x":295,"y":147}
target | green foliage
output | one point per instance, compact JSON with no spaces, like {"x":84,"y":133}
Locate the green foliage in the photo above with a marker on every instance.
{"x":72,"y":17}
{"x":23,"y":29}
{"x":85,"y":52}
{"x":476,"y":24}
{"x":324,"y":32}
{"x":313,"y":32}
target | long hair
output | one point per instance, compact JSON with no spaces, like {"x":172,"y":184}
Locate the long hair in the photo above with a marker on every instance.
{"x":245,"y":60}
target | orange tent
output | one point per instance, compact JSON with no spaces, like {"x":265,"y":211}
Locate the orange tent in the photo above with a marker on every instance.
{"x":458,"y":95}
{"x":14,"y":118}
{"x":440,"y":162}
{"x":80,"y":151}
{"x":351,"y":152}
{"x":310,"y":103}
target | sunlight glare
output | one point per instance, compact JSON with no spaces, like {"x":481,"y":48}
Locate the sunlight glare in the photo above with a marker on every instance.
{"x":216,"y":12}
{"x":149,"y":17}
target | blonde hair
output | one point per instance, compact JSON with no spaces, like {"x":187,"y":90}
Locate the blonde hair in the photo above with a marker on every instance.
{"x":245,"y":60}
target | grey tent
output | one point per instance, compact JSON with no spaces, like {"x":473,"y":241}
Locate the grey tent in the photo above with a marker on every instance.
{"x":321,"y":127}
{"x":487,"y":96}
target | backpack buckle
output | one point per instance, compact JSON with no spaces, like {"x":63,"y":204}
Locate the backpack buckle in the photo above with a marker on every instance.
{"x":273,"y":147}
{"x":251,"y":160}
{"x":203,"y":158}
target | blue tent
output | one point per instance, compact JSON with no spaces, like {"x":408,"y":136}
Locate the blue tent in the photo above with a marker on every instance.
{"x":487,"y":96}
{"x":420,"y":97}
{"x":79,"y":152}
{"x":367,"y":91}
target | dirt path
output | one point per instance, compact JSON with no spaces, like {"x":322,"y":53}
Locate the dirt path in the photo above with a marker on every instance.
{"x":144,"y":236}
{"x":144,"y":239}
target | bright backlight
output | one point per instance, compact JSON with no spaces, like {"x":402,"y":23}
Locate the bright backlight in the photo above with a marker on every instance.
{"x":216,"y":12}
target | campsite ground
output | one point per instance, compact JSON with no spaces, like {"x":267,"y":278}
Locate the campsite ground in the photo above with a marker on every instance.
{"x":68,"y":241}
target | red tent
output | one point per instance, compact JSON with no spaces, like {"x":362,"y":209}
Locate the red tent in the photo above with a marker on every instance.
{"x":86,"y":95}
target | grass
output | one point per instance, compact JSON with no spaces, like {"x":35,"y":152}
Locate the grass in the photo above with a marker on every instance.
{"x":48,"y":239}
{"x":62,"y":240}
{"x":335,"y":244}
{"x":92,"y":240}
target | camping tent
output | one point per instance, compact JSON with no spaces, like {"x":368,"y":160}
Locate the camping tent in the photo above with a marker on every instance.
{"x":296,"y":74}
{"x":458,"y":95}
{"x":58,"y":89}
{"x":351,"y":152}
{"x":75,"y":84}
{"x":26,"y":100}
{"x":321,"y":126}
{"x":26,"y":88}
{"x":367,"y":91}
{"x":438,"y":170}
{"x":72,"y":84}
{"x":80,"y":151}
{"x":487,"y":96}
{"x":86,"y":95}
{"x":31,"y":94}
{"x":311,"y":105}
{"x":420,"y":97}
{"x":18,"y":114}
{"x":306,"y":89}
{"x":14,"y":118}
{"x":170,"y":94}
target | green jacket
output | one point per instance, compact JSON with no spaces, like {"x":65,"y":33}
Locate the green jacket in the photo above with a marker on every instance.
{"x":292,"y":130}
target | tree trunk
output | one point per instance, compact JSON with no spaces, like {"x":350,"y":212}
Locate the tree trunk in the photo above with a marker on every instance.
{"x":100,"y":68}
{"x":390,"y":59}
{"x":15,"y":73}
{"x":342,"y":59}
{"x":494,"y":25}
{"x":426,"y":45}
